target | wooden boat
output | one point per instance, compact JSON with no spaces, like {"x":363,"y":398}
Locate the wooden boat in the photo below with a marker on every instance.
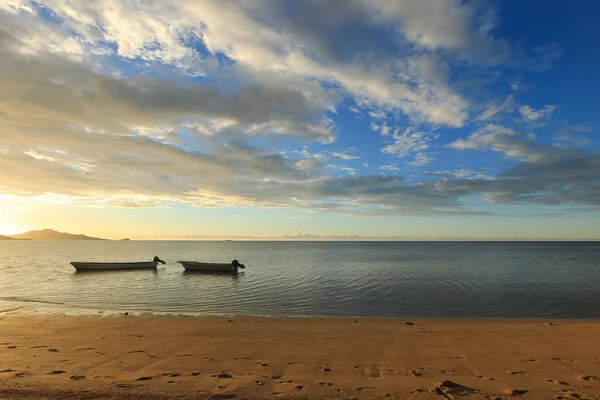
{"x":102,"y":266}
{"x":211,"y":267}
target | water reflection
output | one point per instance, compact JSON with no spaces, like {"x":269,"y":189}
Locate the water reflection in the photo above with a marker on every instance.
{"x":113,"y":271}
{"x":232,"y":274}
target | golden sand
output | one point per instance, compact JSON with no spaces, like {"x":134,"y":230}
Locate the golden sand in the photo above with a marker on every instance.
{"x":264,"y":358}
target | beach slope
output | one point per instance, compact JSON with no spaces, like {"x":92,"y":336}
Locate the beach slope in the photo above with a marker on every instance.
{"x":258,"y":358}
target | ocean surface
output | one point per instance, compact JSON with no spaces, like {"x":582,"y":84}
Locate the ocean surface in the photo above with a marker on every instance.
{"x":377,"y":279}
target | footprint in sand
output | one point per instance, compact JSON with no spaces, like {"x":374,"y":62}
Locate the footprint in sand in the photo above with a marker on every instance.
{"x":590,"y":378}
{"x":77,"y":377}
{"x":448,"y":371}
{"x":360,"y":389}
{"x":371,"y":371}
{"x":448,"y":389}
{"x":567,"y":394}
{"x":516,"y":392}
{"x":145,"y":378}
{"x":558,"y":382}
{"x":563,"y":359}
{"x":124,"y":386}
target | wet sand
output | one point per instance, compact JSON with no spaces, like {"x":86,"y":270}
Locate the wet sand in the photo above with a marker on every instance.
{"x":262,"y":358}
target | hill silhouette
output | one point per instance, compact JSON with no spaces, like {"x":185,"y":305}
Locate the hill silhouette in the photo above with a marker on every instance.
{"x":50,"y":234}
{"x":3,"y":237}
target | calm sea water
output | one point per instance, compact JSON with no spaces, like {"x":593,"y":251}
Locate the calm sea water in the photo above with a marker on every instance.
{"x":403,"y":279}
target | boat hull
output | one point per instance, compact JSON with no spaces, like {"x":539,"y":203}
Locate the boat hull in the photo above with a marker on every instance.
{"x":101,"y":266}
{"x":209,"y":267}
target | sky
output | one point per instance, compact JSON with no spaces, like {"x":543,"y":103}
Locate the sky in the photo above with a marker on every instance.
{"x":300,"y":119}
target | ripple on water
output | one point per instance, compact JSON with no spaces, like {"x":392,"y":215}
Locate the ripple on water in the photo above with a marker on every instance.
{"x":312,"y":278}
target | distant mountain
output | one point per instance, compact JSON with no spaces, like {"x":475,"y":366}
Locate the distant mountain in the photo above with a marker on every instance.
{"x":49,"y":234}
{"x":2,"y":237}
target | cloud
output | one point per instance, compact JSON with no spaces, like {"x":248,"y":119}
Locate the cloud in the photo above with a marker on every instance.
{"x":530,"y":114}
{"x":497,"y":109}
{"x":410,"y":143}
{"x":344,"y":155}
{"x":543,"y":57}
{"x":301,"y":43}
{"x":573,"y":135}
{"x":164,"y":103}
{"x":503,"y":140}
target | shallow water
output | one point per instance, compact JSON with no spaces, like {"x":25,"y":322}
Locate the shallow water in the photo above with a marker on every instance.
{"x":412,"y":279}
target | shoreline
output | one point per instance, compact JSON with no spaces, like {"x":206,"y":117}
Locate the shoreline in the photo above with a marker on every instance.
{"x":214,"y":357}
{"x":26,"y":307}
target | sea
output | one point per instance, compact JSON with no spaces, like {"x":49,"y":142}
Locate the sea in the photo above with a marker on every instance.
{"x":308,"y":279}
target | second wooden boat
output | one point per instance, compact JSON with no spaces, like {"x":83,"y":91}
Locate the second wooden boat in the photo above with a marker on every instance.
{"x":211,"y":267}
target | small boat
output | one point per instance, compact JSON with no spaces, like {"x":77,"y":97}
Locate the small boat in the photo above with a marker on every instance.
{"x":212,"y":267}
{"x":102,"y":266}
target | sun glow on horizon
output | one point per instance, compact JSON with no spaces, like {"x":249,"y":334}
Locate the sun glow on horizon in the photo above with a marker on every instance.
{"x":9,"y":219}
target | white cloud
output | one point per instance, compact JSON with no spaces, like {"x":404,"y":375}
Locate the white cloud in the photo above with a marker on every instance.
{"x":345,"y":155}
{"x":80,"y":128}
{"x":503,"y":140}
{"x":377,"y":114}
{"x":349,"y":170}
{"x":530,"y":114}
{"x":389,"y":167}
{"x":496,"y":109}
{"x":411,"y":144}
{"x":266,"y":41}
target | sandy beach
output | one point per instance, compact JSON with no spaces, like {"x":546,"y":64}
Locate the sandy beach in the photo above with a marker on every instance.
{"x":259,"y":358}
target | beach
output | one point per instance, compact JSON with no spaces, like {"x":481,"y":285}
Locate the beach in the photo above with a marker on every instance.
{"x":261,"y":358}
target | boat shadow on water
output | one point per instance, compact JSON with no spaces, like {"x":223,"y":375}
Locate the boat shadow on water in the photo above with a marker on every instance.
{"x":224,"y":274}
{"x":114,"y":271}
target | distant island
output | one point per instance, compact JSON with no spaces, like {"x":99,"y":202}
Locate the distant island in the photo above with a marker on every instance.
{"x":50,"y":234}
{"x":2,"y":237}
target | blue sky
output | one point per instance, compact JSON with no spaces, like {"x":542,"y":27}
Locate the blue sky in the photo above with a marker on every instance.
{"x":300,"y":119}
